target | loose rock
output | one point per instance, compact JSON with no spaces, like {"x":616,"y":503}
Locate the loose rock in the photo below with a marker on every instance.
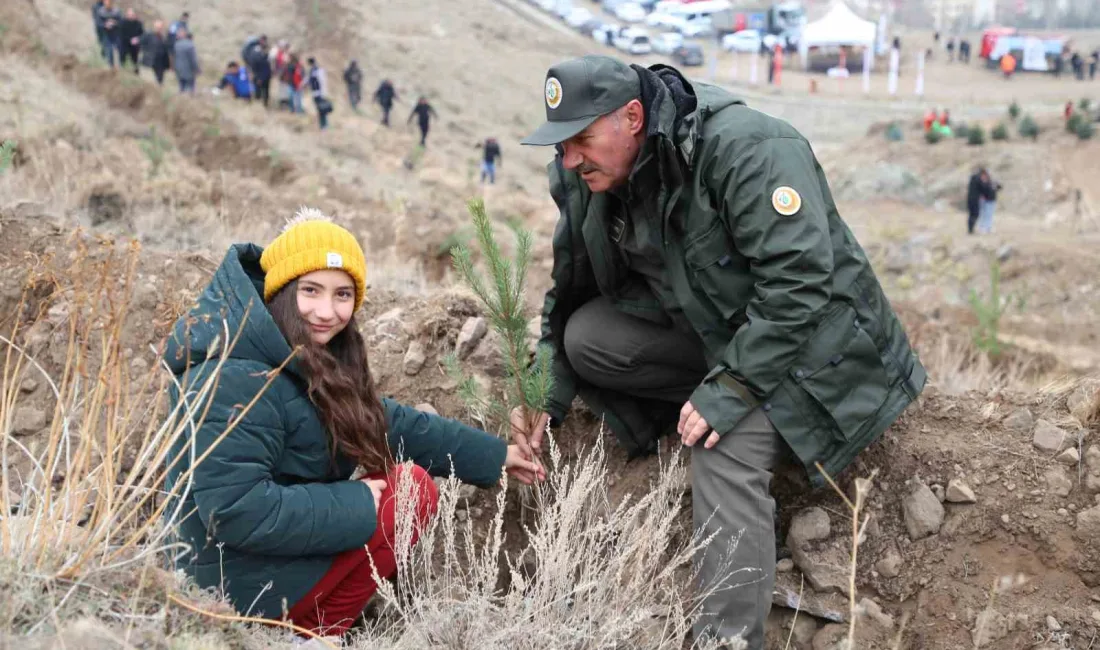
{"x":414,"y":358}
{"x":1049,"y":438}
{"x":810,"y":525}
{"x":786,"y":565}
{"x":1092,"y":464}
{"x":1052,"y":624}
{"x":872,"y":611}
{"x":461,"y":516}
{"x":923,"y":513}
{"x":1020,"y":421}
{"x":471,"y":333}
{"x":1058,"y":482}
{"x":890,"y":564}
{"x":28,"y":420}
{"x":938,"y":490}
{"x":1069,"y":457}
{"x":959,"y":492}
{"x":825,"y":569}
{"x":28,"y":385}
{"x":1088,"y":523}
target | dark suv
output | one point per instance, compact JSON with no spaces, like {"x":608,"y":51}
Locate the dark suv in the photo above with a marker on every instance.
{"x":688,"y":54}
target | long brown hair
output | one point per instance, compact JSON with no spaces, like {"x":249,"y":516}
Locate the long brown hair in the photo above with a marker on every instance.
{"x":340,"y":384}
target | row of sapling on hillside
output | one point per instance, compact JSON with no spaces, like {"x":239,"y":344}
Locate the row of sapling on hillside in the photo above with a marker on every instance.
{"x":1079,"y":121}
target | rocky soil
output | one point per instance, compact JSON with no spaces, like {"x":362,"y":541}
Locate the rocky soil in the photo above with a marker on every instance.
{"x":982,"y":514}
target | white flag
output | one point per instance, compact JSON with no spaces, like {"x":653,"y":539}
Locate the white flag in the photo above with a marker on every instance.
{"x":892,"y":77}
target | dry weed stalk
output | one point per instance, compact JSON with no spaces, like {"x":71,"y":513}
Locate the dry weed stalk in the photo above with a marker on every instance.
{"x":92,"y":502}
{"x":590,"y":575}
{"x":855,"y":508}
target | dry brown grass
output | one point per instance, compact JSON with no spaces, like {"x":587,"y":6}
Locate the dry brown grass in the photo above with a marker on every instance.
{"x":957,"y":366}
{"x":86,"y":525}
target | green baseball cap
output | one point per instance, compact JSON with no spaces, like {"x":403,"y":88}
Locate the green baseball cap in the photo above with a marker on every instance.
{"x":580,"y":91}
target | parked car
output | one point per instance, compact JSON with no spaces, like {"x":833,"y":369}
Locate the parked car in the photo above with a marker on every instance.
{"x":630,"y":12}
{"x":577,"y":17}
{"x":697,"y":27}
{"x":746,"y":40}
{"x":633,"y":41}
{"x":667,"y":42}
{"x":688,"y":54}
{"x":661,"y":19}
{"x":590,"y":26}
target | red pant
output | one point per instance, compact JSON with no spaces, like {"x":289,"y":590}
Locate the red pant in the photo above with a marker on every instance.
{"x":339,"y":597}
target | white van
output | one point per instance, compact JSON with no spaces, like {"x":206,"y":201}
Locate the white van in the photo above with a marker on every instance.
{"x":694,"y":10}
{"x":634,"y":41}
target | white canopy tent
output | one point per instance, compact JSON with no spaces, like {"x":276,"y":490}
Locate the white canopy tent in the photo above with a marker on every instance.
{"x":840,"y":26}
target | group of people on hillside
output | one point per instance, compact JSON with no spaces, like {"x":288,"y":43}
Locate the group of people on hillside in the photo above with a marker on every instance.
{"x":123,"y":41}
{"x":122,"y":38}
{"x":940,"y":121}
{"x":981,"y":201}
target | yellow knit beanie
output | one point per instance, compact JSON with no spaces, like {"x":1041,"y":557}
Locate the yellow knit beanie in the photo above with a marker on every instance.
{"x":312,"y":242}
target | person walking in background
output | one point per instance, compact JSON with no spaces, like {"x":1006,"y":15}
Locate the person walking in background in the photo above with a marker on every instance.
{"x":385,"y":96}
{"x":353,"y":77}
{"x":130,"y":32}
{"x":108,"y":20}
{"x":1008,"y":65}
{"x":974,"y":190}
{"x":100,"y":33}
{"x":423,"y":112}
{"x":293,"y":77}
{"x":987,"y":203}
{"x":255,"y":54}
{"x":1094,"y":60}
{"x":274,"y":514}
{"x":186,"y":61}
{"x":154,"y":51}
{"x":174,"y":28}
{"x":236,"y":76}
{"x":491,"y":156}
{"x":318,"y":87}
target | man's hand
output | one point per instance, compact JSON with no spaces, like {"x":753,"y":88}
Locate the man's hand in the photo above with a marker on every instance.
{"x":693,"y":426}
{"x":527,"y":433}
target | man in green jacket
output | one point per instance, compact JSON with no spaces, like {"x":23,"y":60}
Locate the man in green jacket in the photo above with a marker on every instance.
{"x":704,"y":282}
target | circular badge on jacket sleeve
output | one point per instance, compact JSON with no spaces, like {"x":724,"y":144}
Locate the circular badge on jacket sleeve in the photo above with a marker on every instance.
{"x":786,"y":201}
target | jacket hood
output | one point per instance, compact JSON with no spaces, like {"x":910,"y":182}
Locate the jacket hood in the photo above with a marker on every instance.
{"x":231,"y":304}
{"x":676,"y":108}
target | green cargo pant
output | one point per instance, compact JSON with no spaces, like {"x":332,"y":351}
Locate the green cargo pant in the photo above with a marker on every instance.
{"x":730,"y":482}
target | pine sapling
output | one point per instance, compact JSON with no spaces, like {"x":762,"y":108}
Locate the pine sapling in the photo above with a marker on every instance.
{"x":528,"y":385}
{"x":155,"y":148}
{"x":989,"y":312}
{"x":7,"y":155}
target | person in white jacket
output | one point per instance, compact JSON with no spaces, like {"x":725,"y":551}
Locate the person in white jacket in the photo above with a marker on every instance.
{"x":318,"y":86}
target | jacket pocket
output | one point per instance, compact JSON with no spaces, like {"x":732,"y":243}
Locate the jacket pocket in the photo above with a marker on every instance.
{"x":841,"y":369}
{"x":719,"y":273}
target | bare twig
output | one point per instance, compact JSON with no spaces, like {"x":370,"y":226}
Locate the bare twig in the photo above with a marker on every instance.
{"x":251,"y":619}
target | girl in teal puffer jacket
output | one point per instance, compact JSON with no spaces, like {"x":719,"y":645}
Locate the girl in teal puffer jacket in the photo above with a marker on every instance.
{"x":271,"y":513}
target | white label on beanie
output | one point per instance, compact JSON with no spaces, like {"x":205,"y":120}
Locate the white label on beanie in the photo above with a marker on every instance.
{"x":335,"y":261}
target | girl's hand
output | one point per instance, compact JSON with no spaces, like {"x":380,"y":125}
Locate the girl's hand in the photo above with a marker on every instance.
{"x":520,"y":467}
{"x":376,"y":487}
